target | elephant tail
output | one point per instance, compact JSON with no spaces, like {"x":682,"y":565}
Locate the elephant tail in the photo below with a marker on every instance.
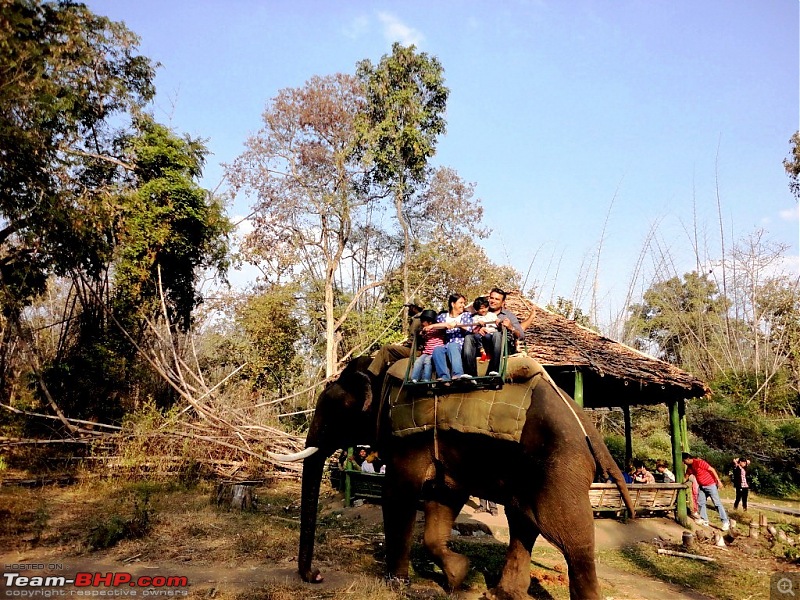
{"x":602,"y":457}
{"x":608,"y":468}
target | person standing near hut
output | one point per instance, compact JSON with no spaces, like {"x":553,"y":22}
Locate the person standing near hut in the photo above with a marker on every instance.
{"x":710,"y":483}
{"x":740,"y":482}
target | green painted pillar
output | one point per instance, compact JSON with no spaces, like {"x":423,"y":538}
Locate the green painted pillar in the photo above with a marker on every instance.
{"x":348,"y":467}
{"x":684,"y":426}
{"x":579,"y":387}
{"x":676,"y":437}
{"x":626,"y":415}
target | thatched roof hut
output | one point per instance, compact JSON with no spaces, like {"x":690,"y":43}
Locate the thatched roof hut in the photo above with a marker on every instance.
{"x":614,"y":375}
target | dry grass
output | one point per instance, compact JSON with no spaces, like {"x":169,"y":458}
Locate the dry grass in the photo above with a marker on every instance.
{"x":189,"y":531}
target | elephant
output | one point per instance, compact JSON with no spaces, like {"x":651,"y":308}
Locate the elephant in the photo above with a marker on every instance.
{"x":542,"y":480}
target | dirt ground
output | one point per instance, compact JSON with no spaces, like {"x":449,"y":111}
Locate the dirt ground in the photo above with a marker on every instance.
{"x":213,"y":577}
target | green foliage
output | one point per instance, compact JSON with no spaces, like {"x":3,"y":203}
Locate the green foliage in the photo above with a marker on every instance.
{"x":399,"y":126}
{"x":271,"y":331}
{"x":171,"y":227}
{"x":683,"y":318}
{"x":567,"y":309}
{"x":66,"y":73}
{"x":107,"y":532}
{"x":727,"y":431}
{"x":616,"y":446}
{"x":403,"y":117}
{"x":792,"y":165}
{"x":460,"y":265}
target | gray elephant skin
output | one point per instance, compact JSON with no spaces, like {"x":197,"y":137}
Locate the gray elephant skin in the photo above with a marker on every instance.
{"x":543,"y":482}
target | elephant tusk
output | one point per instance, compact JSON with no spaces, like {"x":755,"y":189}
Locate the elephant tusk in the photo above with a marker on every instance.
{"x":293,"y":457}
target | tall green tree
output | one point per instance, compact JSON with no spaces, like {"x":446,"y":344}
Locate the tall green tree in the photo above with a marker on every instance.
{"x":67,"y":79}
{"x":167,"y":231}
{"x":400,"y":125}
{"x":170,"y":229}
{"x":92,"y":190}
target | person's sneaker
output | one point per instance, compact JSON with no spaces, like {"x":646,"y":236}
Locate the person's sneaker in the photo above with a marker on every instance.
{"x":414,"y":381}
{"x":726,"y":526}
{"x":493,"y":373}
{"x":700,"y":521}
{"x":466,"y":376}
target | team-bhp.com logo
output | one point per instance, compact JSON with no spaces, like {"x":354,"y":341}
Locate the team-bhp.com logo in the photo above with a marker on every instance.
{"x":88,"y":584}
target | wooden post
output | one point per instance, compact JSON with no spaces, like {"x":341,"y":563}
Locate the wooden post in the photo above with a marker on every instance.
{"x":754,"y":530}
{"x":681,"y":514}
{"x":579,"y":387}
{"x":688,"y":540}
{"x":626,"y":414}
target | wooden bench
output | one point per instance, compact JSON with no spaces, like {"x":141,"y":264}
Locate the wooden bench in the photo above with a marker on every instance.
{"x":362,"y":485}
{"x":646,"y":497}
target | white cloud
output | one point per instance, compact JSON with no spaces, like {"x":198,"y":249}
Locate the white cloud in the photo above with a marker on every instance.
{"x":791,"y":214}
{"x":357,"y":28}
{"x":394,"y":30}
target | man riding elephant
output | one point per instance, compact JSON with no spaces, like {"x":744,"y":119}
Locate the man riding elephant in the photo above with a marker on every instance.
{"x":492,"y":342}
{"x":390,"y":353}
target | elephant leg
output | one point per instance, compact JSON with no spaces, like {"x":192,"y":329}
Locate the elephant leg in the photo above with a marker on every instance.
{"x":401,"y":492}
{"x":516,"y":577}
{"x":439,"y":520}
{"x":570,"y":527}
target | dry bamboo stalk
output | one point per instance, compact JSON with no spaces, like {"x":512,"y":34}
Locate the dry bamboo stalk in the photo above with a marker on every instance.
{"x":686,"y":555}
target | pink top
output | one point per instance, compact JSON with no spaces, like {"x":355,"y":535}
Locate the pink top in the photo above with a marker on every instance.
{"x":433,"y":339}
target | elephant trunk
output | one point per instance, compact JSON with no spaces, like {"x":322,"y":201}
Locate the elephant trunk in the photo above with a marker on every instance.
{"x":312,"y":476}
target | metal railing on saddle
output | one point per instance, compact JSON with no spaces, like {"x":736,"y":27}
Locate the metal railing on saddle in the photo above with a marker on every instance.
{"x":461,"y":385}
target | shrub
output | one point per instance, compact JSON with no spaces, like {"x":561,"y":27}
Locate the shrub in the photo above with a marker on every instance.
{"x":110,"y":531}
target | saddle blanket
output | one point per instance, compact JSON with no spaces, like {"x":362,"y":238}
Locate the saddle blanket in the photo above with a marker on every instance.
{"x":496,"y":413}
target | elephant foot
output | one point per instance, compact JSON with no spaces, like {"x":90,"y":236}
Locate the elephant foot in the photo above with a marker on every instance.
{"x":499,"y":593}
{"x":456,"y":570}
{"x":312,"y":576}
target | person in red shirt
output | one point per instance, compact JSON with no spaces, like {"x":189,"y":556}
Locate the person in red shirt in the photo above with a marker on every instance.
{"x":710,"y":484}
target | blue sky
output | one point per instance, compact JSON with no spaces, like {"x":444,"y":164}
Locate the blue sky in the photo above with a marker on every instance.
{"x":586,"y":125}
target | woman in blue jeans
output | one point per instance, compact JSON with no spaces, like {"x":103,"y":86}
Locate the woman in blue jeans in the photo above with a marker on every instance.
{"x":456,"y":324}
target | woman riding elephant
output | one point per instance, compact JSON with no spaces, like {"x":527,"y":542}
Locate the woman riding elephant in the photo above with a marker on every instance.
{"x":456,"y":324}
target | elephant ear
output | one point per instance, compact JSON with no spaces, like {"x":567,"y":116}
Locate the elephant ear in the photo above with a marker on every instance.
{"x":356,"y":386}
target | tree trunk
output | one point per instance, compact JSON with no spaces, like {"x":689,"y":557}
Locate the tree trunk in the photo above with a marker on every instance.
{"x":330,"y":329}
{"x":398,"y":205}
{"x":235,"y":495}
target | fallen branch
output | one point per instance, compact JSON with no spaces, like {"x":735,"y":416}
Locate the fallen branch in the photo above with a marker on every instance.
{"x":33,"y":414}
{"x":687,"y":555}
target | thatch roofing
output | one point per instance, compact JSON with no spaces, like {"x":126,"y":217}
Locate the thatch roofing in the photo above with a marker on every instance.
{"x":613,"y":374}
